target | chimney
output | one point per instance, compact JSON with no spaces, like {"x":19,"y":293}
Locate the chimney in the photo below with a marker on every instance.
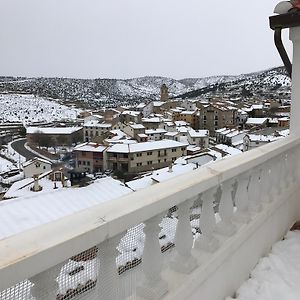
{"x":36,"y":186}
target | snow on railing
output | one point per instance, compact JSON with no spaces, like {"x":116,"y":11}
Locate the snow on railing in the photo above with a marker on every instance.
{"x":152,"y":243}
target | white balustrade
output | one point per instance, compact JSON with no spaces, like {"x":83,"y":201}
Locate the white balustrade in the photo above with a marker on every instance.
{"x":242,"y":199}
{"x":152,"y":287}
{"x":226,"y":227}
{"x":108,"y":282}
{"x":45,"y":286}
{"x":258,"y":181}
{"x":207,"y":241}
{"x":183,"y":261}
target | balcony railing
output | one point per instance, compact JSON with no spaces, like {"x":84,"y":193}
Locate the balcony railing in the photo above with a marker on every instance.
{"x":195,"y":236}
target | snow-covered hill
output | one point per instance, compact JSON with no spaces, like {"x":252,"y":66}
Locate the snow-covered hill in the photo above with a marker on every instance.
{"x":111,"y":92}
{"x":271,"y":83}
{"x":30,"y":109}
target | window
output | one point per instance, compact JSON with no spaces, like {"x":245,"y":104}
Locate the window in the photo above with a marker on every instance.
{"x":182,"y":149}
{"x":149,"y":162}
{"x":97,"y":133}
{"x":174,"y":150}
{"x":139,"y":164}
{"x":44,"y":167}
{"x":79,"y":162}
{"x":165,"y":160}
{"x":88,"y":163}
{"x":84,"y":163}
{"x":204,"y":118}
{"x":149,"y":153}
{"x":173,"y":159}
{"x":159,"y":161}
{"x":139,"y":154}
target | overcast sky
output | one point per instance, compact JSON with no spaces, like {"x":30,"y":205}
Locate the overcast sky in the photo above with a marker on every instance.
{"x":131,"y":38}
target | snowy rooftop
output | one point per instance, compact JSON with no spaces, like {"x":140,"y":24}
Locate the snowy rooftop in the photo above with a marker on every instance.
{"x":52,"y":130}
{"x":256,"y":121}
{"x":147,"y":146}
{"x":90,"y":147}
{"x":151,"y":120}
{"x":157,"y":103}
{"x":261,"y":138}
{"x":198,"y":133}
{"x":188,"y":112}
{"x":17,"y":215}
{"x":181,"y":123}
{"x":34,"y":160}
{"x":159,"y":176}
{"x":155,"y":131}
{"x":23,"y":187}
{"x":257,"y":106}
{"x":228,"y":149}
{"x":171,"y":133}
{"x":137,"y":126}
{"x":94,"y":123}
{"x":131,"y":113}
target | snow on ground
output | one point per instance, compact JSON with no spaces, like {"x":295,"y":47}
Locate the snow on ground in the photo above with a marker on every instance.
{"x":28,"y":109}
{"x":277,"y":276}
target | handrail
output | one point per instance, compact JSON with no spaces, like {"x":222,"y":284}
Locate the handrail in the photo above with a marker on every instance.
{"x":31,"y":252}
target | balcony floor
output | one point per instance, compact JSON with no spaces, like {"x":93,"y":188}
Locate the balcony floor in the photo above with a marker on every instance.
{"x":276,"y":276}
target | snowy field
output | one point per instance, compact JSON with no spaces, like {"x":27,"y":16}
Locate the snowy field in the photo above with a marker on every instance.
{"x":277,"y":276}
{"x":28,"y":109}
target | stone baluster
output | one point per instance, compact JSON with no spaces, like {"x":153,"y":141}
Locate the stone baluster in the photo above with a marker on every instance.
{"x":207,"y":241}
{"x":183,"y":261}
{"x":152,"y":287}
{"x":242,"y":199}
{"x":225,"y":226}
{"x":45,"y":286}
{"x":107,"y":287}
{"x":254,"y":191}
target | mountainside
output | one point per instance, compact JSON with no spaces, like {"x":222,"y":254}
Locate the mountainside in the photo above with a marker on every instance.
{"x":111,"y":92}
{"x":273,"y":83}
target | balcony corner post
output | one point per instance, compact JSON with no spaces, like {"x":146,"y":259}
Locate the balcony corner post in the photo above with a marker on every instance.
{"x":295,"y":107}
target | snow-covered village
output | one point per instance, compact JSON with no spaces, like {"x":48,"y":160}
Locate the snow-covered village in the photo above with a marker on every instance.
{"x":153,"y":187}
